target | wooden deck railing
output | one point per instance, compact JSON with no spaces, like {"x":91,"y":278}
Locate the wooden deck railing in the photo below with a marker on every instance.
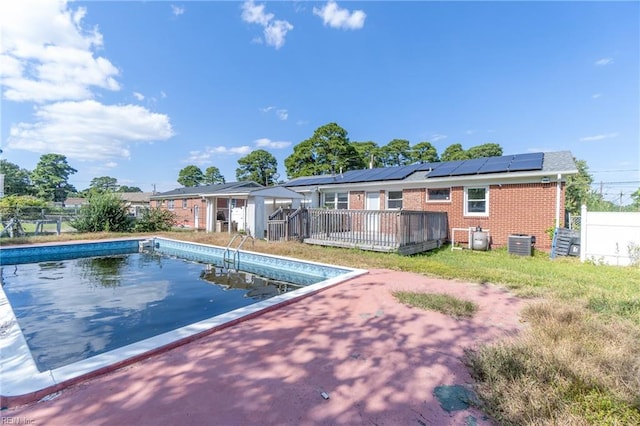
{"x":403,"y":231}
{"x":288,"y":224}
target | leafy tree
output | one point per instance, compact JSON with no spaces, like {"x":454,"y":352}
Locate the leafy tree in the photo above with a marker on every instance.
{"x":423,"y":152}
{"x":485,"y":150}
{"x":191,"y":176}
{"x":259,"y":166}
{"x":105,"y":212}
{"x":636,"y":199}
{"x":103,"y":184}
{"x":454,"y":152}
{"x":125,"y":188}
{"x":396,"y":153}
{"x":16,"y":180}
{"x":50,"y":177}
{"x":328,"y":151}
{"x":578,"y":189}
{"x":369,"y":152}
{"x":212,"y":175}
{"x":155,"y":220}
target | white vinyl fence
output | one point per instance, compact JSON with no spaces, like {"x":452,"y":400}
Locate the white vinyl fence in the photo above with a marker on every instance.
{"x":610,"y":237}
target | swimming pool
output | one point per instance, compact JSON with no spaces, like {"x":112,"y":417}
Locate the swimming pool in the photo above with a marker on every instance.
{"x":142,"y":291}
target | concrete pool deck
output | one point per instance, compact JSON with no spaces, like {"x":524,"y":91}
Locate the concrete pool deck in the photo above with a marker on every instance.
{"x":378,"y":361}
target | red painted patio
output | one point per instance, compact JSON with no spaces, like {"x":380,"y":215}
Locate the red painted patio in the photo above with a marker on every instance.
{"x":378,"y":360}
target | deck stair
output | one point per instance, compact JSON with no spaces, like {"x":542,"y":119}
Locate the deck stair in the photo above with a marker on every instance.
{"x":231,"y":258}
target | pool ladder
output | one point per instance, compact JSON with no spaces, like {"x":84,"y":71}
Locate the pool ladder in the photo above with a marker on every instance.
{"x":230,"y":256}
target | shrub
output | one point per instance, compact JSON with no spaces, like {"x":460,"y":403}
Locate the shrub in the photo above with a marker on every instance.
{"x":104,"y":213}
{"x":155,"y":219}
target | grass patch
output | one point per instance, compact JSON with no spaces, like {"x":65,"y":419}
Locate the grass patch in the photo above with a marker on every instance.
{"x":439,"y":302}
{"x":572,"y":367}
{"x":577,"y":363}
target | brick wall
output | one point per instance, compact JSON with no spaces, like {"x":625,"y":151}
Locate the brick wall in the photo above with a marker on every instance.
{"x":513,"y":209}
{"x":185,"y":215}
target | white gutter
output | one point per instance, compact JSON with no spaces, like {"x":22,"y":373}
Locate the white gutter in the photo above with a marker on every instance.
{"x":558,"y":193}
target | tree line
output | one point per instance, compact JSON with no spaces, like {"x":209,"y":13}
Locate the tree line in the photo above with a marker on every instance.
{"x":327,"y":151}
{"x":49,"y":181}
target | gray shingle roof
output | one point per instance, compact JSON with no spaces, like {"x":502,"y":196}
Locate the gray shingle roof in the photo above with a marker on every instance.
{"x":218,"y":188}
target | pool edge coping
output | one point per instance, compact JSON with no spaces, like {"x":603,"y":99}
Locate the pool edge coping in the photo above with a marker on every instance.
{"x":40,"y":384}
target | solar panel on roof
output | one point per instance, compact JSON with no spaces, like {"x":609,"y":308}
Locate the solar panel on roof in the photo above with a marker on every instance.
{"x":525,"y":165}
{"x":444,"y":169}
{"x":494,"y":168}
{"x":496,"y":164}
{"x":469,"y":167}
{"x":531,"y":161}
{"x":528,"y":156}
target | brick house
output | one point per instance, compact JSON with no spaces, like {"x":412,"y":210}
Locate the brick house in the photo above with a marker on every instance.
{"x":226,"y":207}
{"x":513,"y":194}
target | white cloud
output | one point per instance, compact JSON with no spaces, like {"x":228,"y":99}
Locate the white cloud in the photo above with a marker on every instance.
{"x":254,"y":13}
{"x":275,"y":30}
{"x":163,"y":94}
{"x":334,"y":16}
{"x":275,"y":33}
{"x":599,"y":137}
{"x":177,"y":10}
{"x":596,"y":95}
{"x":48,"y":55}
{"x":268,"y":143}
{"x":437,"y":137}
{"x":282,"y":114}
{"x":604,"y":61}
{"x":210,"y":153}
{"x":111,"y":165}
{"x":89,"y":130}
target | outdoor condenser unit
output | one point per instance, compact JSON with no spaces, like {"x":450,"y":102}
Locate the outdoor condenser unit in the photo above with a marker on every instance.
{"x":520,"y":244}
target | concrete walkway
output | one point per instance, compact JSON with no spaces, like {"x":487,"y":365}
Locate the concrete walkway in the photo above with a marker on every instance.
{"x":378,"y":361}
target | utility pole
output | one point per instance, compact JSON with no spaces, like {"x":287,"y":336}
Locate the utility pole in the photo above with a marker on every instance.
{"x":620,"y":200}
{"x":600,"y":189}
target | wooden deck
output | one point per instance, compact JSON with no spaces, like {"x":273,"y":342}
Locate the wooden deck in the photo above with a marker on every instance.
{"x":402,"y":231}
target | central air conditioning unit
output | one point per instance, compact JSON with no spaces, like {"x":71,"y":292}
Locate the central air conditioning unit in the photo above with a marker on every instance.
{"x":521,"y":245}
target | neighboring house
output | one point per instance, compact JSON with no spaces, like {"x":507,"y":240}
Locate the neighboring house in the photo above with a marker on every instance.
{"x":75,"y":202}
{"x":136,"y":202}
{"x":512,"y":194}
{"x":244,"y":205}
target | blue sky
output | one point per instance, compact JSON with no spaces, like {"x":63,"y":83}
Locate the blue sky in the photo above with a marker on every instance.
{"x":139,"y":90}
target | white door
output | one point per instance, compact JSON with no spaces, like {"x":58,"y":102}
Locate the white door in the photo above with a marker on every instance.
{"x":372,"y":202}
{"x":196,"y":216}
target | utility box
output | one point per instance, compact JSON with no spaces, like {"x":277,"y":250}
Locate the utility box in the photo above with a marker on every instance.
{"x":521,"y":245}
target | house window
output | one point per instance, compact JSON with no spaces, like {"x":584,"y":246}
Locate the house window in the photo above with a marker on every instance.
{"x":336,"y":200}
{"x":438,"y":194}
{"x":394,"y":200}
{"x":184,"y":203}
{"x":170,"y":204}
{"x":476,"y":201}
{"x":159,"y":203}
